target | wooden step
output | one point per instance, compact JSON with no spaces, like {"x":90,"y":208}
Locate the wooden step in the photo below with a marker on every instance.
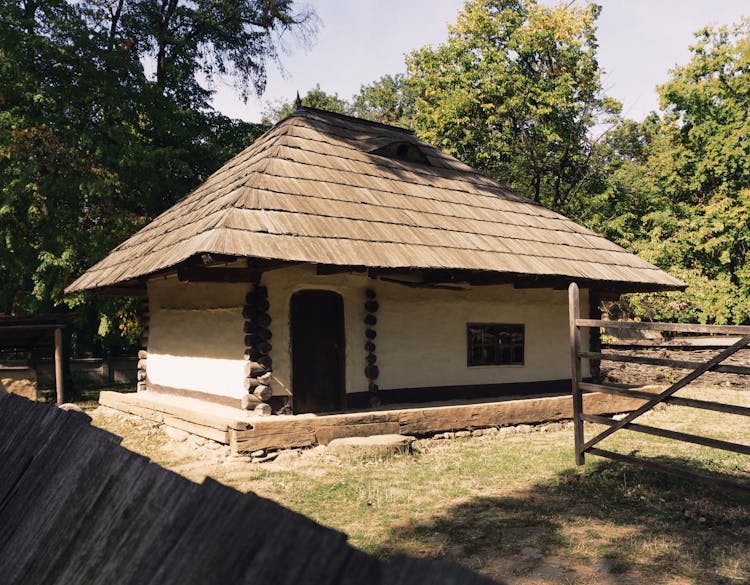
{"x":188,"y":414}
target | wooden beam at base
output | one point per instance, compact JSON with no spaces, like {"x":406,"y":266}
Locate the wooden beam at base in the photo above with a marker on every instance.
{"x":286,"y":432}
{"x":293,"y":431}
{"x":218,"y":435}
{"x":512,"y":412}
{"x":327,"y":433}
{"x":278,"y":432}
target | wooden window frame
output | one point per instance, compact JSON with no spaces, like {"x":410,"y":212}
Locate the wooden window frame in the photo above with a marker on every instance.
{"x":470,"y":347}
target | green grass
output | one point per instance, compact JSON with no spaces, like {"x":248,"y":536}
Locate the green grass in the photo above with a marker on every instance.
{"x":514,"y":506}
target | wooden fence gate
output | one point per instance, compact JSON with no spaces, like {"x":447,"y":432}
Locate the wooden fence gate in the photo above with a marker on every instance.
{"x":667,"y":396}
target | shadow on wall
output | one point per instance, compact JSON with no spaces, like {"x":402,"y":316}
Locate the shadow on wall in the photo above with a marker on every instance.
{"x":611,"y":523}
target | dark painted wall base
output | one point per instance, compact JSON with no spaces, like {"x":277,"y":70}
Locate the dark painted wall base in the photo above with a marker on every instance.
{"x":442,"y":393}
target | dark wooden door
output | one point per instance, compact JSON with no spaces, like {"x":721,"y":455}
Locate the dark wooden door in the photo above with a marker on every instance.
{"x":317,"y":332}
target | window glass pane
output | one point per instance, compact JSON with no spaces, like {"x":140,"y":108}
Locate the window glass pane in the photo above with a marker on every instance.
{"x":494,"y":344}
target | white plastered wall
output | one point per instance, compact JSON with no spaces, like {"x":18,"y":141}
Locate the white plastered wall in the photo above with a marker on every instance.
{"x":195,"y":336}
{"x":421,"y":333}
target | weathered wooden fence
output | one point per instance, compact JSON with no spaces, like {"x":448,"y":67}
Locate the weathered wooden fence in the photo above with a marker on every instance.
{"x":76,"y":508}
{"x":696,"y":369}
{"x":93,"y":371}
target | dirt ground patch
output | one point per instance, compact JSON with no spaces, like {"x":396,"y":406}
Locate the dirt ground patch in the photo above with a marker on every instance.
{"x":630,"y":373}
{"x":510,"y":505}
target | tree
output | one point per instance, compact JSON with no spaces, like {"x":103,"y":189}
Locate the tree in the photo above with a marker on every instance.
{"x":53,"y":182}
{"x":515,"y":92}
{"x":701,"y":164}
{"x":623,"y":192}
{"x":678,"y":189}
{"x":389,"y":100}
{"x":189,"y":40}
{"x":92,"y":148}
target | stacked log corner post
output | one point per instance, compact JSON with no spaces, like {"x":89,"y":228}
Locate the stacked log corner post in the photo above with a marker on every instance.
{"x":142,"y":376}
{"x":371,"y":369}
{"x":257,"y":349}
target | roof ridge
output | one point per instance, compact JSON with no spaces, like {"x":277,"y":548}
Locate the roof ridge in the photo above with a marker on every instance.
{"x":302,"y":110}
{"x":425,"y":146}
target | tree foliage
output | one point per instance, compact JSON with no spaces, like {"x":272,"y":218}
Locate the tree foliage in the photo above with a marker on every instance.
{"x":389,"y":100}
{"x":515,"y":92}
{"x":314,"y":98}
{"x":678,"y":189}
{"x":190,"y":40}
{"x":93,"y":145}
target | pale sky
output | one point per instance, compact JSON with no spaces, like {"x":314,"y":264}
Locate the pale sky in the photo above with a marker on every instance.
{"x":361,"y":40}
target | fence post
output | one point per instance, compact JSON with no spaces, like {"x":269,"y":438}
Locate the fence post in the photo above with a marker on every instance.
{"x":59,"y":383}
{"x":574,"y":312}
{"x":105,"y":372}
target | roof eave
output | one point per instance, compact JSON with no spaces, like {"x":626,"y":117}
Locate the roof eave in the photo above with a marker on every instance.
{"x":472,"y":277}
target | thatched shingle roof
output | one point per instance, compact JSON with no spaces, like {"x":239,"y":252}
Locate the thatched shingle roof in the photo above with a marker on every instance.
{"x":313,"y":190}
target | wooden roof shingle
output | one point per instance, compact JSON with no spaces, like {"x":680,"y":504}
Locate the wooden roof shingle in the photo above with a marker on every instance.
{"x":312,"y":190}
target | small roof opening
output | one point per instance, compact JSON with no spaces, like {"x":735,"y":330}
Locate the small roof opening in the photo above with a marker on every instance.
{"x":405,"y":151}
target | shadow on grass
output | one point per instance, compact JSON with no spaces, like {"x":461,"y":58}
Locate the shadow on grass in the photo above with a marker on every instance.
{"x":605,"y":523}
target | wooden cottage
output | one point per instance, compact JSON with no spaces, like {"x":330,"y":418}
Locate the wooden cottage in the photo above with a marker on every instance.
{"x":337,"y":264}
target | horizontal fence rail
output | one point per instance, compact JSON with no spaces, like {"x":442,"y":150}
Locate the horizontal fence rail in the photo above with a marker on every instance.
{"x":677,"y":364}
{"x":675,"y":327}
{"x":676,"y":400}
{"x":652,"y":399}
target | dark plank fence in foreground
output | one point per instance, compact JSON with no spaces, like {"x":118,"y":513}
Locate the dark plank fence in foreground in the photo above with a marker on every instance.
{"x":77,"y":508}
{"x":666,"y":396}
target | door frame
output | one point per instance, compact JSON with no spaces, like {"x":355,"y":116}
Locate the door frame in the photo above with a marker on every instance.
{"x":341,"y":350}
